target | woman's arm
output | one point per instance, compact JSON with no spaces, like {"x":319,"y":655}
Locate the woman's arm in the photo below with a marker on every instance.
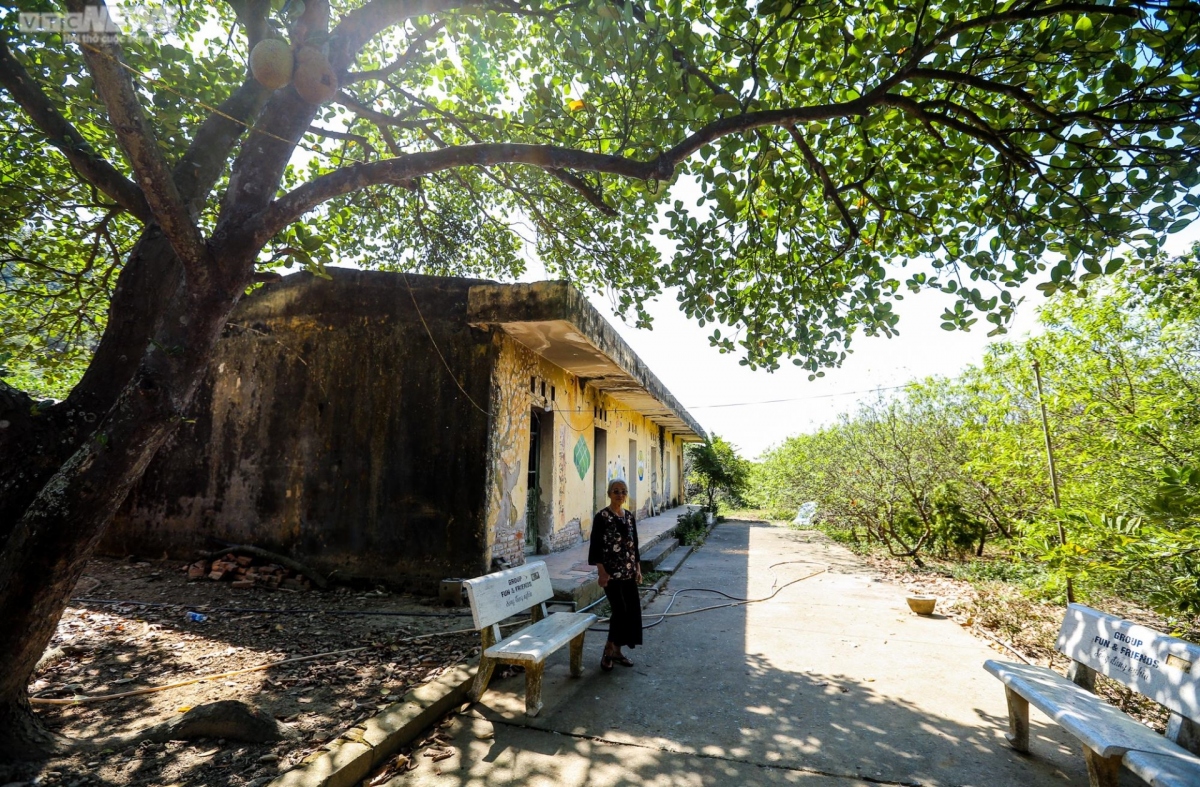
{"x":596,"y":548}
{"x":637,"y":551}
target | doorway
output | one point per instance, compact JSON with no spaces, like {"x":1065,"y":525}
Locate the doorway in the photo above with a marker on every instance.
{"x":632,"y":480}
{"x":655,"y":490}
{"x":680,"y":479}
{"x":600,"y":469}
{"x":537,"y":495}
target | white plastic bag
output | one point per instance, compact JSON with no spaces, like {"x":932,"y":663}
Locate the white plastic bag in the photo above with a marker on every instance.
{"x":804,"y":516}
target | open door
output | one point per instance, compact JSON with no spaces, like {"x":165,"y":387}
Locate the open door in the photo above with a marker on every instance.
{"x":537,"y":500}
{"x":600,"y":469}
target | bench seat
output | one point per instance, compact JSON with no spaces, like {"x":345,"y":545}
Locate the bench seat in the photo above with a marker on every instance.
{"x":1161,"y":770}
{"x":537,"y":641}
{"x":505,"y":594}
{"x":1154,"y":665}
{"x":1101,"y":727}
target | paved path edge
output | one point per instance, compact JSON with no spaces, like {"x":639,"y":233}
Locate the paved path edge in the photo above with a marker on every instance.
{"x":364,"y":747}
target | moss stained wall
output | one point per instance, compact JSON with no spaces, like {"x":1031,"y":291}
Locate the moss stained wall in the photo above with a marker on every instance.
{"x":329,"y":429}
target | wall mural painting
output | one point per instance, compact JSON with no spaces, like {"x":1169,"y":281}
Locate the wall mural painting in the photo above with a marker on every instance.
{"x":616,"y":469}
{"x":507,"y":450}
{"x":641,"y":466}
{"x":561,"y":473}
{"x":583,"y":457}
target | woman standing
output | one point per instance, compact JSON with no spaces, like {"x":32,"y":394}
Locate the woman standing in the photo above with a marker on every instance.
{"x":614,"y":553}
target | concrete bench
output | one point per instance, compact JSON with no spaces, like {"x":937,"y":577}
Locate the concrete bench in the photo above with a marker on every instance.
{"x":513,"y":591}
{"x":1150,"y":663}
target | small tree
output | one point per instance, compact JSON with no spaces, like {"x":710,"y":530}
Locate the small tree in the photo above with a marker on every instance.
{"x":718,"y":470}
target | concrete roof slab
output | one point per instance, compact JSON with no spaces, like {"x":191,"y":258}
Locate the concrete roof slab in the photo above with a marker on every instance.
{"x":554,"y":320}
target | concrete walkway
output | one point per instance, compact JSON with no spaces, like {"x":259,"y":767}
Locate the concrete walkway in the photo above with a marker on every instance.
{"x":574,"y":580}
{"x":831,"y":683}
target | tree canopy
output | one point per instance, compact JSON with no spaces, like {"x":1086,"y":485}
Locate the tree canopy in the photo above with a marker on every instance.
{"x":811,"y":161}
{"x":717,"y":471}
{"x":951,"y":463}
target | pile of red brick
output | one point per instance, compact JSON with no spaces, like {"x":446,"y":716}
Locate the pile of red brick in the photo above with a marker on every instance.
{"x":240,"y":569}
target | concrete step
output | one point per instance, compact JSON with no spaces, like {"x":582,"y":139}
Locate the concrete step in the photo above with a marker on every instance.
{"x":674,"y":561}
{"x":574,"y":581}
{"x":658,"y":553}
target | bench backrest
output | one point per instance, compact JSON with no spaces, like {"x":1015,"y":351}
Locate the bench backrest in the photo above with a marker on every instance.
{"x":1163,"y":668}
{"x":503,"y":594}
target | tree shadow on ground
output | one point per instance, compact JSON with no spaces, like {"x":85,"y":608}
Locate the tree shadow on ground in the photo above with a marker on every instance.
{"x":764,"y":694}
{"x":111,"y":649}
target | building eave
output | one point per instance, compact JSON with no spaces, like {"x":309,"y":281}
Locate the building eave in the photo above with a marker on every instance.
{"x":554,"y":320}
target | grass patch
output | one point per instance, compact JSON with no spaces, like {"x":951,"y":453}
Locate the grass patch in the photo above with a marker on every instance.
{"x":650,"y":577}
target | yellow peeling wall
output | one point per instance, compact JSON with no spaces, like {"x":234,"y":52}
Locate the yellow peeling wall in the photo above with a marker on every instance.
{"x":569,"y":465}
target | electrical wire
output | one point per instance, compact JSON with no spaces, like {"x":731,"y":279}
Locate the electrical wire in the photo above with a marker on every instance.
{"x":736,"y":600}
{"x":231,"y":673}
{"x":259,"y":668}
{"x":215,"y":110}
{"x":437,"y":349}
{"x":798,"y":398}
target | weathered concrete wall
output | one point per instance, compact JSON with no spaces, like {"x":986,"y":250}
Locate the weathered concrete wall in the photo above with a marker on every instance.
{"x":624,"y":425}
{"x":329,"y":429}
{"x":566,"y":480}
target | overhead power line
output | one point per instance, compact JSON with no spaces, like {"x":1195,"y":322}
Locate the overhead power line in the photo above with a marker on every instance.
{"x":797,"y":398}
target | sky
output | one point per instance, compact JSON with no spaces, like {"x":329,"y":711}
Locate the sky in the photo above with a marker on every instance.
{"x":678,"y":352}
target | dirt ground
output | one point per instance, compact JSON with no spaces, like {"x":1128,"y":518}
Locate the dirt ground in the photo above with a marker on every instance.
{"x":1018,"y":627}
{"x":148,"y":640}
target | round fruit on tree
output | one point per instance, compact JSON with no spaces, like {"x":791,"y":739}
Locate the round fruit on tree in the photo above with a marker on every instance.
{"x":271,"y":63}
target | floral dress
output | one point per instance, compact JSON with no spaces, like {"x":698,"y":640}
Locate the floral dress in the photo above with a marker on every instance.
{"x":615,"y":544}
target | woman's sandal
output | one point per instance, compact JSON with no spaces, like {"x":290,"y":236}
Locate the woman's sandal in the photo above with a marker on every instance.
{"x":624,"y":662}
{"x":606,"y":663}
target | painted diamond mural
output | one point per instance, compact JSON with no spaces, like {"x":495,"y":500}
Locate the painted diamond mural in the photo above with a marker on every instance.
{"x":583,"y":457}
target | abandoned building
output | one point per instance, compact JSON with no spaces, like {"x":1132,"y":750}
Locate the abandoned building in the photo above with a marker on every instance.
{"x":407,"y":428}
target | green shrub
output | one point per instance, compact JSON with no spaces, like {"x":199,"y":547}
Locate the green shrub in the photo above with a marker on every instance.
{"x":1021,"y":572}
{"x":692,"y":527}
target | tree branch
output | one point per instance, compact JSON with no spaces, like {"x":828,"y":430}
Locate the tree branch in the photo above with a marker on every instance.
{"x":831,"y":190}
{"x":586,"y":191}
{"x":331,"y":134}
{"x":985,"y":135}
{"x":258,"y":169}
{"x":252,"y":16}
{"x":374,"y":115}
{"x":90,"y":166}
{"x":1027,"y":14}
{"x":141,"y":146}
{"x":362,"y":24}
{"x":401,"y":169}
{"x":970,"y":80}
{"x":398,"y":63}
{"x":208,"y":155}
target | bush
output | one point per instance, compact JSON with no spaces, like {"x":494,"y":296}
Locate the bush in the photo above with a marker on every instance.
{"x":692,"y":527}
{"x":1028,"y":573}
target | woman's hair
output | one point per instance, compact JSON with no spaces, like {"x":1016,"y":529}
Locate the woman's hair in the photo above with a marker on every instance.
{"x":621,"y":481}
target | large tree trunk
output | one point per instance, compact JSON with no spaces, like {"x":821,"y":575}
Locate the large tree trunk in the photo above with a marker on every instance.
{"x":37,"y":441}
{"x":47,"y":547}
